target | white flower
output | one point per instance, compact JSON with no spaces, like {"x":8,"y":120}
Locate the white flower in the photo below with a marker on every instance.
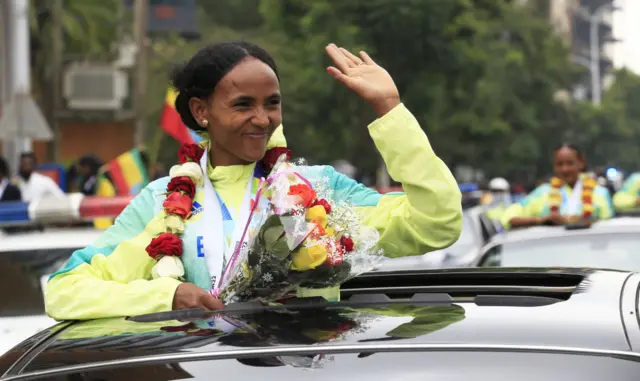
{"x":168,"y":266}
{"x":174,"y":224}
{"x":189,"y":169}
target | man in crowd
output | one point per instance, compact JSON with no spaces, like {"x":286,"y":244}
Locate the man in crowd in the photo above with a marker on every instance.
{"x":8,"y":191}
{"x":34,"y":185}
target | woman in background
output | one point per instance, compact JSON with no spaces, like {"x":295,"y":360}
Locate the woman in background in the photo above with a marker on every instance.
{"x":571,"y":194}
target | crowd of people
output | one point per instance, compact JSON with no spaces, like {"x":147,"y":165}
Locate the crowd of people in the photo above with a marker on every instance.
{"x":85,"y":175}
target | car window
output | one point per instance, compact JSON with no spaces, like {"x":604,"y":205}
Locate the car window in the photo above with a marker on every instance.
{"x":416,"y":366}
{"x":612,"y":251}
{"x":26,"y":271}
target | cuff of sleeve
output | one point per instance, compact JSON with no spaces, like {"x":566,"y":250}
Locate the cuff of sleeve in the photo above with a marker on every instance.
{"x":165,"y":289}
{"x":403,"y":144}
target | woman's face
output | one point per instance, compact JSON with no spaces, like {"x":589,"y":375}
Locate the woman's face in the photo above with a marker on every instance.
{"x":567,"y":165}
{"x":243,"y":112}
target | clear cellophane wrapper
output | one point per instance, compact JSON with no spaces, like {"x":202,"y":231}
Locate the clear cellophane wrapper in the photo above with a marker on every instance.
{"x":297,"y":235}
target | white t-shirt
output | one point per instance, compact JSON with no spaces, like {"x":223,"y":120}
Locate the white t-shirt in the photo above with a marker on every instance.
{"x":38,"y":186}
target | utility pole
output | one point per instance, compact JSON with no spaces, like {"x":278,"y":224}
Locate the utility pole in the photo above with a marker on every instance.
{"x":56,"y":90}
{"x":140,"y":24}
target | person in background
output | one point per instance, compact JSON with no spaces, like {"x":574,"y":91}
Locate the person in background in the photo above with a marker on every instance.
{"x":159,"y":171}
{"x":627,"y":199}
{"x":571,"y":193}
{"x":8,"y":191}
{"x":94,"y":183}
{"x":34,"y":185}
{"x":500,"y":195}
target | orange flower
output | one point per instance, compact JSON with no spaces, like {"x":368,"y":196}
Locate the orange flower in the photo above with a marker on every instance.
{"x":178,"y":204}
{"x":307,"y":195}
{"x":587,"y":210}
{"x":556,"y":182}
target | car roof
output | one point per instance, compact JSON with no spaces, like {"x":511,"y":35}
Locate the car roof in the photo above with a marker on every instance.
{"x":50,"y":238}
{"x":615,"y":225}
{"x":576,"y":308}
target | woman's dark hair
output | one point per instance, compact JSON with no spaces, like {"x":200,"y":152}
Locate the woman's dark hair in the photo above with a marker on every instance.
{"x":4,"y":168}
{"x":29,"y":155}
{"x":576,"y":149}
{"x":91,"y":161}
{"x":199,"y":77}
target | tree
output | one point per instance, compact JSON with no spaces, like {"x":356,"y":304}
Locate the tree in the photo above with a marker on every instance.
{"x":479,"y":75}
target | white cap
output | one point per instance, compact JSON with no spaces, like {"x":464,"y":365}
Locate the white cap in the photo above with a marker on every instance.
{"x":499,"y":184}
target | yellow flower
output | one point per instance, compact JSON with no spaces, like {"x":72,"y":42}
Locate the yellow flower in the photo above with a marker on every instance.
{"x":587,"y":193}
{"x":318,"y":215}
{"x":588,"y":208}
{"x":556,"y":182}
{"x":308,"y":258}
{"x":331,"y":232}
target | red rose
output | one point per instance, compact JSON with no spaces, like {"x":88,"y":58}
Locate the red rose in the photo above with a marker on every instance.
{"x":586,"y":214}
{"x":324,"y":203}
{"x":182,"y":184}
{"x":165,"y":244}
{"x":190,"y":152}
{"x":347,"y":243}
{"x":271,"y":157}
{"x":306,"y":194}
{"x":179,"y":204}
{"x":555,"y":208}
{"x":586,"y":199}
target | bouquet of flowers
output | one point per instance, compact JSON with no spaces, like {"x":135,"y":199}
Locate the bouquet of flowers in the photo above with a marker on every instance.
{"x":298,"y":235}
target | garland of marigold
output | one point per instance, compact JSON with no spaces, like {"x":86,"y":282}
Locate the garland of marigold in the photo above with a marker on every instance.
{"x":588,"y":186}
{"x":181,"y":190}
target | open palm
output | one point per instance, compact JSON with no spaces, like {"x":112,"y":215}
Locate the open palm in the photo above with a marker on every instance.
{"x":364,"y":77}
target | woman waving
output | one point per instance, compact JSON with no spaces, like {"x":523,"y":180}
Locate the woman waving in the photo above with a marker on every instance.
{"x":230,"y":94}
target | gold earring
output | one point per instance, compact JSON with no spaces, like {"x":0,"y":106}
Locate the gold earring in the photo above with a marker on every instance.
{"x":205,"y":122}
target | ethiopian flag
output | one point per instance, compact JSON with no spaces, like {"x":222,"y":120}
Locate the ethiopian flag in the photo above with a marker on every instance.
{"x":171,"y":122}
{"x":128,"y":173}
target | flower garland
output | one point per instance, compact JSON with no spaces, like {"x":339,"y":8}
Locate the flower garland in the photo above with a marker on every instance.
{"x":588,"y":186}
{"x":167,"y":248}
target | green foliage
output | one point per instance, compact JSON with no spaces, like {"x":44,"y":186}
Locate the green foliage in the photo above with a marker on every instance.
{"x":481,"y":76}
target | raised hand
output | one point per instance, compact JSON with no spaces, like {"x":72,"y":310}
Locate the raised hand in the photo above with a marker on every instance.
{"x":364,"y":77}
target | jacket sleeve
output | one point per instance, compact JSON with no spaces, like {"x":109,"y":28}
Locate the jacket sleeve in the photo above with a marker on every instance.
{"x":111,"y":277}
{"x":602,"y":199}
{"x":428,"y":215}
{"x":530,"y":206}
{"x":625,"y":199}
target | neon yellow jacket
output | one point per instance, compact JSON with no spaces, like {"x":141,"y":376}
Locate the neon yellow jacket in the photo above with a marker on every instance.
{"x":625,"y":199}
{"x":112,"y":277}
{"x":536,"y":204}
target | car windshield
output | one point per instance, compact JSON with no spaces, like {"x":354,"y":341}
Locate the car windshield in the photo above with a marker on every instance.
{"x":26,"y":271}
{"x":617,"y":251}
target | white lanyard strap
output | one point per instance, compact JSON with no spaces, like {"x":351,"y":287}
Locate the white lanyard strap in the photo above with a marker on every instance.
{"x":215,"y":248}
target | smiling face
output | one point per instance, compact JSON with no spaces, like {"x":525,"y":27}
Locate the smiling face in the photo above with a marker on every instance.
{"x":242,"y":113}
{"x":568,"y":165}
